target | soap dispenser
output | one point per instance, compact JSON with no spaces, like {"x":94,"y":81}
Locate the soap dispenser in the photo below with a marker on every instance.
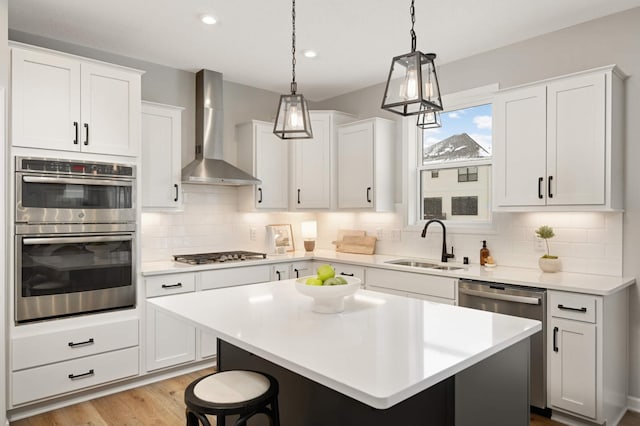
{"x":484,"y":253}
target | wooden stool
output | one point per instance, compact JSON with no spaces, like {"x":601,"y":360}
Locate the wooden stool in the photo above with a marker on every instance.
{"x":234,"y":392}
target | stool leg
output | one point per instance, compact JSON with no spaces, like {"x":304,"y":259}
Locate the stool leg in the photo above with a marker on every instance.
{"x":220,"y":421}
{"x":276,"y":412}
{"x":195,"y":419}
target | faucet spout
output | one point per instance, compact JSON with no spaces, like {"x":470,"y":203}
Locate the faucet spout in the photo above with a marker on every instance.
{"x":445,"y":256}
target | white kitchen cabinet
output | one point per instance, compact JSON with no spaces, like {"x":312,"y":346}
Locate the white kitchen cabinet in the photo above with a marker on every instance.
{"x":587,"y":363}
{"x":302,"y":269}
{"x":365,"y":165}
{"x":558,"y":143}
{"x":281,"y":271}
{"x":169,"y":341}
{"x":228,"y":277}
{"x":410,"y":284}
{"x":161,"y":156}
{"x":63,"y":102}
{"x":265,"y":156}
{"x":314,"y":175}
{"x":62,"y":359}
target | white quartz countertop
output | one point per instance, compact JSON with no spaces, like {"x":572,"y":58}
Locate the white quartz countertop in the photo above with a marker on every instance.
{"x":564,"y":281}
{"x":381,"y":350}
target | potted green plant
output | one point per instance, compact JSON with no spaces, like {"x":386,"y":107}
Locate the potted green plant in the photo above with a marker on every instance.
{"x":548,"y":262}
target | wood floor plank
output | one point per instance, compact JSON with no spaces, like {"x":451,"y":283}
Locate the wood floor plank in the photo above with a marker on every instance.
{"x":162,"y":404}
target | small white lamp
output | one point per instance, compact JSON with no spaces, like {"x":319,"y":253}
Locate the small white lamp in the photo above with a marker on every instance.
{"x":309,"y":234}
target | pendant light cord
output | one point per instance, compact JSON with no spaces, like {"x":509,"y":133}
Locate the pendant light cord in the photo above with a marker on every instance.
{"x":412,"y":9}
{"x":294,"y":85}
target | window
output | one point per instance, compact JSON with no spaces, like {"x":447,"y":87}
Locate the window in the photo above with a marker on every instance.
{"x":454,"y":164}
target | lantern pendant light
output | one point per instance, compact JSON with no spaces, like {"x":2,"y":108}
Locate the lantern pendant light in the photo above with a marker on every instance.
{"x":292,"y":119}
{"x":412,"y":87}
{"x":429,"y":120}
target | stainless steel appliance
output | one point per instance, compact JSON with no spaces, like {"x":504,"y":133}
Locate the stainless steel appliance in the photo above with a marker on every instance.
{"x":61,"y":191}
{"x":520,"y":301}
{"x":218,"y":257}
{"x":75,"y":238}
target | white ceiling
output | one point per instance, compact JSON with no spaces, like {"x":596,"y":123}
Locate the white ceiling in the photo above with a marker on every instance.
{"x":251,"y":44}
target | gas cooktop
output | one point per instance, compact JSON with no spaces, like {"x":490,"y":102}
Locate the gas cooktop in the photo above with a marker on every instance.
{"x":219,"y":257}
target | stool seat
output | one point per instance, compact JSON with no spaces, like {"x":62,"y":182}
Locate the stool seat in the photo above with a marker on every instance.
{"x":234,"y":392}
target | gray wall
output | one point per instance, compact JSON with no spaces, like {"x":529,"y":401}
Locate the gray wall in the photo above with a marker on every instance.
{"x":177,"y":87}
{"x":611,"y":40}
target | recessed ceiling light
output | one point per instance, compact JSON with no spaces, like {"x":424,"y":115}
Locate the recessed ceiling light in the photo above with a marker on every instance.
{"x":208,"y":19}
{"x":309,"y":53}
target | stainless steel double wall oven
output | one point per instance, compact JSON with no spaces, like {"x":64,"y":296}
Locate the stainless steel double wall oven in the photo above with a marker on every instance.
{"x":75,"y":238}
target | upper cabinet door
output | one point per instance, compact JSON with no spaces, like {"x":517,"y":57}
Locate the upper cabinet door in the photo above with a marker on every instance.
{"x":312,"y":189}
{"x":110,"y":110}
{"x":576,"y":140}
{"x":272,"y":161}
{"x":45,"y":101}
{"x":519,"y":147}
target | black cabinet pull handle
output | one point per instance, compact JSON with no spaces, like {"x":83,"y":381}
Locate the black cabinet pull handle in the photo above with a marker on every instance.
{"x":260,"y":193}
{"x":368,"y":194}
{"x":178,"y":285}
{"x":549,"y":180}
{"x":75,"y":140}
{"x":175,"y":185}
{"x":345,"y":274}
{"x":297,"y":271}
{"x":298,"y":195}
{"x":540,"y":187}
{"x":86,"y":342}
{"x":79,"y":376}
{"x":555,"y":339}
{"x":86,"y":126}
{"x":569,"y":308}
{"x":278,"y":275}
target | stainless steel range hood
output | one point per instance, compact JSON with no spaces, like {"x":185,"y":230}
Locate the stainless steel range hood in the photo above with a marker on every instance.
{"x":209,"y":167}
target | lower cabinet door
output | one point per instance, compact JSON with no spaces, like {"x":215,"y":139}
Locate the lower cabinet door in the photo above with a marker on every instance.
{"x":169,"y":341}
{"x":50,"y":380}
{"x":572,"y":366}
{"x":208,"y":344}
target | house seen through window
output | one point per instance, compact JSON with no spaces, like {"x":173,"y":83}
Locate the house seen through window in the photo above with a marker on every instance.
{"x":455,"y":166}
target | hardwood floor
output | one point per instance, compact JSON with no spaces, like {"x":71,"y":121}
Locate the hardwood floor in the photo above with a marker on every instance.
{"x":161,"y":404}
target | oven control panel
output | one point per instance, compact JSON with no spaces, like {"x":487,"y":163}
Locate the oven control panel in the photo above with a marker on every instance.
{"x":73,"y":167}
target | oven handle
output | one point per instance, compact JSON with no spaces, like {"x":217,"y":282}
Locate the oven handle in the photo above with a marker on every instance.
{"x":498,"y":296}
{"x":75,"y":181}
{"x":64,"y":240}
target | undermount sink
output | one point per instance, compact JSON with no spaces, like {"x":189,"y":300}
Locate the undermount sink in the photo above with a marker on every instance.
{"x":419,"y":264}
{"x":414,"y":263}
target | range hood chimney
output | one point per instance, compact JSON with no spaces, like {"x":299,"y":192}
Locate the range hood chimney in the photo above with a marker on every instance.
{"x":209,"y":167}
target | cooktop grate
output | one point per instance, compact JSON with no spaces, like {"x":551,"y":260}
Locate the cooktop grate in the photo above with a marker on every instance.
{"x":218,"y":257}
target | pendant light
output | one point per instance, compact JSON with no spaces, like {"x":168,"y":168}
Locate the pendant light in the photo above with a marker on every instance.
{"x":412,"y":87}
{"x":292,"y":119}
{"x":429,"y":120}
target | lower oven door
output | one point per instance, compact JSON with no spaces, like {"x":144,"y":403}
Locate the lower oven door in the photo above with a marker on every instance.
{"x":67,"y":274}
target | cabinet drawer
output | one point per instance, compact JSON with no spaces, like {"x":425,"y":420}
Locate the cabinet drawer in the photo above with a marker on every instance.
{"x":219,"y":278}
{"x":349,"y":270}
{"x":579,"y":307}
{"x":64,"y":345}
{"x":163,"y":285}
{"x":43,"y":382}
{"x":429,"y":285}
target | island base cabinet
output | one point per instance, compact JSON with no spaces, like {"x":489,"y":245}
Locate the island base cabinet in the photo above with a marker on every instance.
{"x":55,"y":379}
{"x":169,"y":341}
{"x":572,"y":366}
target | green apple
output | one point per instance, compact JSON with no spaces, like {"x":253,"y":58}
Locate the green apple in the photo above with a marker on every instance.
{"x":341,"y":280}
{"x":313,"y":281}
{"x":325,"y":272}
{"x":331,"y":281}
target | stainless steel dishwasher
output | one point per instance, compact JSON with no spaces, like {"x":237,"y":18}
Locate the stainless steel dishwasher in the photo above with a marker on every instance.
{"x":519,"y":301}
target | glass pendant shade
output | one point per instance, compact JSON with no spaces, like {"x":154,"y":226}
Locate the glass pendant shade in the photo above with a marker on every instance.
{"x":292,"y":119}
{"x":429,"y":120}
{"x":412,"y":87}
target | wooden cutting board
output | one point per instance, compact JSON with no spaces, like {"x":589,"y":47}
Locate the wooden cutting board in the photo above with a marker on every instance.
{"x":359,"y":244}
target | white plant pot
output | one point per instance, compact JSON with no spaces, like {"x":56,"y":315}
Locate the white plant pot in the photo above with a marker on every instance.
{"x":549,"y":265}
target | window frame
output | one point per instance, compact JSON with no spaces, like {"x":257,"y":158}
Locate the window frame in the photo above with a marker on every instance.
{"x":413,"y":137}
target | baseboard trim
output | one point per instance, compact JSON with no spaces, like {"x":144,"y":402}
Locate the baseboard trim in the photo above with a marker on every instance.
{"x":633,"y":404}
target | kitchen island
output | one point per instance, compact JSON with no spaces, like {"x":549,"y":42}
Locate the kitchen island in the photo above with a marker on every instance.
{"x":384,"y":360}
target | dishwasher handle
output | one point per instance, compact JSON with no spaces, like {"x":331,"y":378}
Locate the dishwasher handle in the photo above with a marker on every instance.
{"x":498,"y":296}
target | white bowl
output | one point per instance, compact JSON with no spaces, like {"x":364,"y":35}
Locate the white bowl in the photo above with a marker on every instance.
{"x":328,"y":299}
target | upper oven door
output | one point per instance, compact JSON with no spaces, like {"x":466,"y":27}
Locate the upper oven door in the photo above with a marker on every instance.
{"x":50,"y":198}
